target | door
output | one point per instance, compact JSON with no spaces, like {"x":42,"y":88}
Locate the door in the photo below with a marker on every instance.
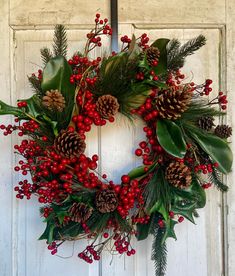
{"x":26,"y":27}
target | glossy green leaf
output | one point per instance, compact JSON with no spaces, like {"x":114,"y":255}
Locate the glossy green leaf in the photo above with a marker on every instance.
{"x":48,"y":233}
{"x":184,"y":202}
{"x":143,"y":230}
{"x":34,"y":106}
{"x":161,"y":44}
{"x":6,"y":109}
{"x":216,"y":148}
{"x":140,"y":171}
{"x":56,"y":75}
{"x":171,"y":138}
{"x":169,"y":230}
{"x":160,"y":208}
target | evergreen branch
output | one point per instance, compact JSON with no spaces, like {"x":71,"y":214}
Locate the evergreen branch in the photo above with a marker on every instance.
{"x":199,"y":109}
{"x":159,"y":252}
{"x":46,"y":55}
{"x":60,"y":41}
{"x":36,"y":84}
{"x":176,"y":55}
{"x":215,"y":178}
{"x":157,"y":189}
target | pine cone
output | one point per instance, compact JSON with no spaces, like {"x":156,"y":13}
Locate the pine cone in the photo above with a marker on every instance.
{"x":107,"y":106}
{"x":79,"y":212}
{"x":206,"y":123}
{"x":178,"y":175}
{"x":54,"y":100}
{"x":223,"y":131}
{"x":69,"y":144}
{"x":106,"y":201}
{"x":152,"y":54}
{"x":173,"y":102}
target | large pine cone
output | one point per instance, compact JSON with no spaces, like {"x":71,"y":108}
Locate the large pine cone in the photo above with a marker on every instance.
{"x":69,"y":144}
{"x":173,"y":102}
{"x":223,"y":131}
{"x":79,"y":212}
{"x":152,"y":54}
{"x":106,"y":201}
{"x":54,"y":100}
{"x":206,"y":123}
{"x":107,"y":106}
{"x":178,"y":175}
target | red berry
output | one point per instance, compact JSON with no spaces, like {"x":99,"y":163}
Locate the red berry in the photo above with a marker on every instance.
{"x":125,"y":179}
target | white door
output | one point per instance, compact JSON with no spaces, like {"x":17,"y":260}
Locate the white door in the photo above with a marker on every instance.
{"x":25,"y":27}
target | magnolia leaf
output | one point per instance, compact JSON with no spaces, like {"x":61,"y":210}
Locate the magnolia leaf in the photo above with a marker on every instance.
{"x":160,"y":208}
{"x":141,"y":171}
{"x":216,"y":148}
{"x":34,"y":106}
{"x":169,"y":230}
{"x":6,"y":109}
{"x":161,"y":44}
{"x":48,"y":233}
{"x":56,"y":75}
{"x":171,"y":138}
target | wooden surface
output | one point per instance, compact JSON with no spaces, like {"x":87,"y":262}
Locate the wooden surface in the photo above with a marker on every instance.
{"x":25,"y":27}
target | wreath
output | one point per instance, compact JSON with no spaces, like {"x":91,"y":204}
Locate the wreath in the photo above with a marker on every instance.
{"x":183,"y":154}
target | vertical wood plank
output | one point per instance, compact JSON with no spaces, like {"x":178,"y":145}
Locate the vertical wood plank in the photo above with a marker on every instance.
{"x":230,"y":215}
{"x":5,"y":145}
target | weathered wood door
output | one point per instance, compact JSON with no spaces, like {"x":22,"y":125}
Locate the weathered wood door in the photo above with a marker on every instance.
{"x":26,"y":26}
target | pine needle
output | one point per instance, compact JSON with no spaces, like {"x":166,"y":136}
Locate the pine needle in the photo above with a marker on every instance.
{"x":215,"y":178}
{"x":176,"y":54}
{"x":35,"y":84}
{"x":46,"y":55}
{"x":60,"y":41}
{"x":157,"y":189}
{"x":159,"y":252}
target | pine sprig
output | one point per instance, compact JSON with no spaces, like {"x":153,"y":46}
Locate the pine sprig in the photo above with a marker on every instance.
{"x":46,"y":54}
{"x":157,"y":189}
{"x":159,"y":252}
{"x":176,"y":54}
{"x":215,"y":178}
{"x":35,"y":84}
{"x":60,"y":41}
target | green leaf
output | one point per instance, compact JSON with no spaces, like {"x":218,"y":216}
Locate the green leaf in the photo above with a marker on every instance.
{"x":161,"y":44}
{"x":6,"y":109}
{"x":34,"y":106}
{"x":171,"y":138}
{"x":140,"y":171}
{"x":199,"y":193}
{"x":216,"y":148}
{"x":48,"y":233}
{"x":56,"y":75}
{"x":169,"y":230}
{"x":160,"y":208}
{"x":186,"y":201}
{"x":143,"y":230}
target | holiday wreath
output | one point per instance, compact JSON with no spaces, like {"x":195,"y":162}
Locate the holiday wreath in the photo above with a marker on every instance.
{"x":183,"y":154}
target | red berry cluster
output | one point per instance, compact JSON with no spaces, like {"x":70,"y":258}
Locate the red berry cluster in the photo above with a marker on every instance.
{"x":89,"y":254}
{"x":205,"y":168}
{"x":141,"y":219}
{"x":122,"y":244}
{"x":143,"y":43}
{"x":206,"y":185}
{"x":129,"y":192}
{"x":222,"y":100}
{"x":53,"y":248}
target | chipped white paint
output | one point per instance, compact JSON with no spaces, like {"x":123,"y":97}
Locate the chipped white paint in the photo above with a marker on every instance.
{"x":199,"y":249}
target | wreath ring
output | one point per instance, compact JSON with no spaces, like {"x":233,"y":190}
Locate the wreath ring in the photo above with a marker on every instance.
{"x":182,"y":143}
